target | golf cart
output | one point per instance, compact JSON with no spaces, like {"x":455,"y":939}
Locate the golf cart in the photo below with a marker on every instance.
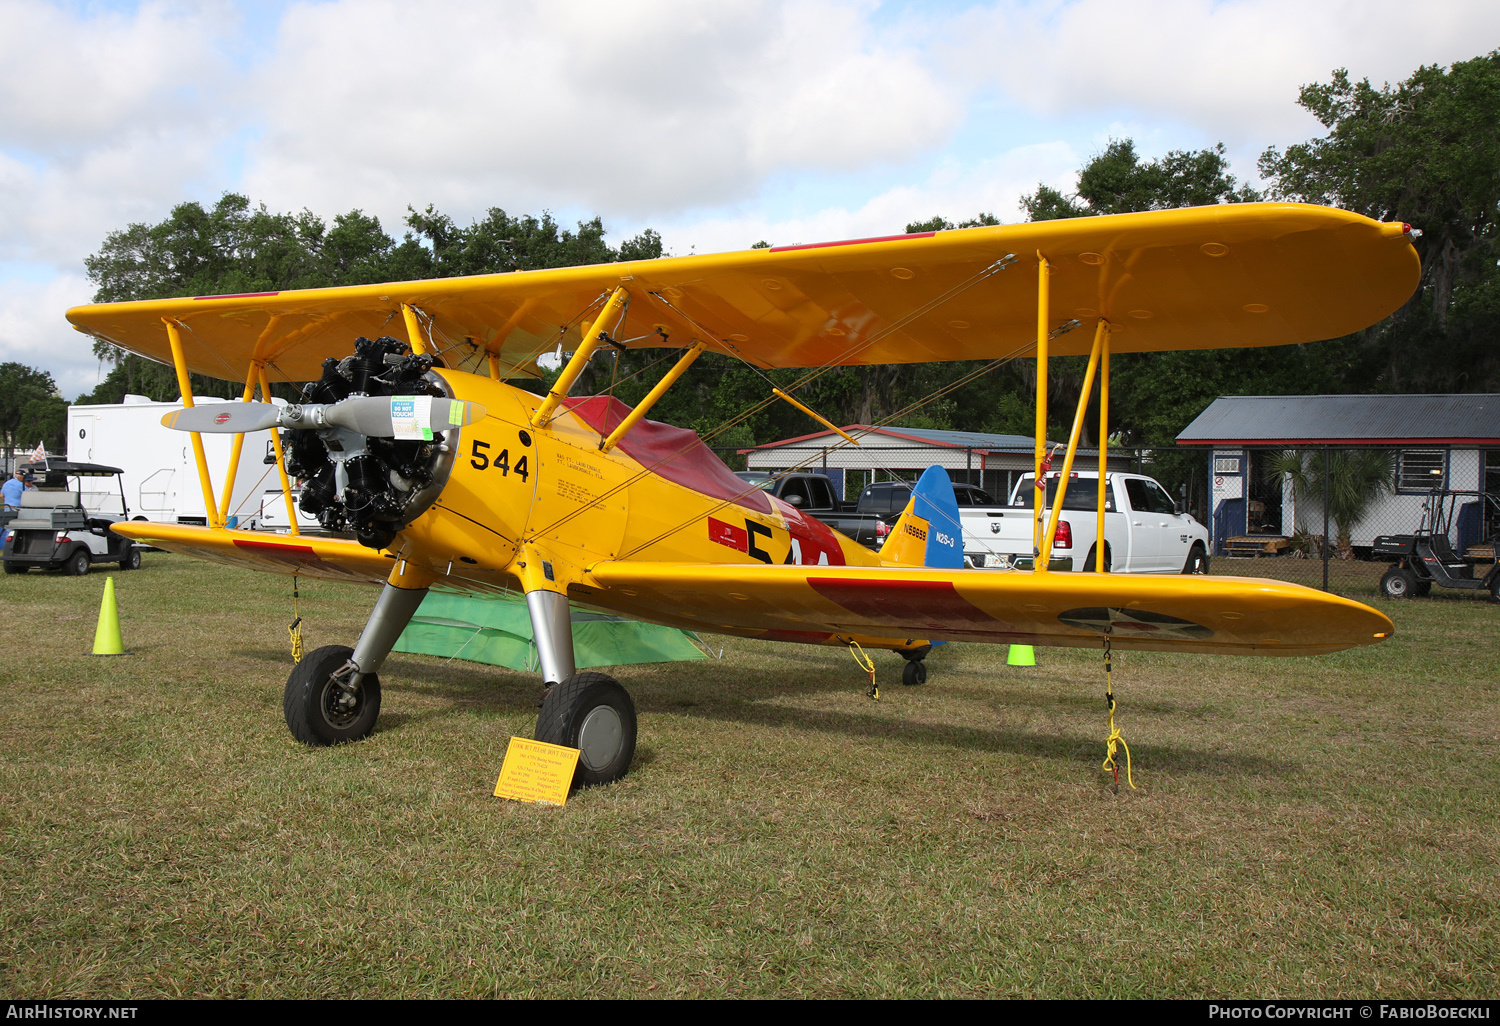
{"x":53,"y":530}
{"x":1427,"y":557}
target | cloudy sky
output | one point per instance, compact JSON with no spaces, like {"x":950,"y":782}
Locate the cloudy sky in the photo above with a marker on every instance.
{"x":716,"y":123}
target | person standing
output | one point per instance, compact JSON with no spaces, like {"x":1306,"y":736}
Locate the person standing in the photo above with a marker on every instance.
{"x":13,"y":488}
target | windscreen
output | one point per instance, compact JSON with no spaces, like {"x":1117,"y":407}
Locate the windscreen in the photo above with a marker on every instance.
{"x":1082,"y":494}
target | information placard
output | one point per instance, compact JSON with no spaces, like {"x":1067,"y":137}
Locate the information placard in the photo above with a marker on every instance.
{"x":534,"y":771}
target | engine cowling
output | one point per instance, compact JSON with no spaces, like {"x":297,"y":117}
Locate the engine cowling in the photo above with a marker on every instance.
{"x":371,"y":486}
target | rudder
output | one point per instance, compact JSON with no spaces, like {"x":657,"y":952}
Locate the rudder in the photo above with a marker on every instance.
{"x":929,"y":532}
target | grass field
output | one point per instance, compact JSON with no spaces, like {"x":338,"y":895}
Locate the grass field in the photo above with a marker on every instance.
{"x":1313,"y":827}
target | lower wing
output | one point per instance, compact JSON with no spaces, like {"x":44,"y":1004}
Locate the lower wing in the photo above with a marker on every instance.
{"x":1219,"y":615}
{"x":330,"y":559}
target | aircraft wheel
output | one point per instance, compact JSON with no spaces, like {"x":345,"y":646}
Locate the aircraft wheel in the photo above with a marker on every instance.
{"x":1197,"y":561}
{"x":77,"y":564}
{"x":1398,"y":584}
{"x":590,"y":712}
{"x":318,"y":712}
{"x":131,"y":559}
{"x":914,"y":673}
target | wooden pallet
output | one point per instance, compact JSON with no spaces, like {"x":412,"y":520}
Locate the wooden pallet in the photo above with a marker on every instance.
{"x":1250,"y":545}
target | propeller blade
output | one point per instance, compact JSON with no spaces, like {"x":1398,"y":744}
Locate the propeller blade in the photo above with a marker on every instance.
{"x":223,"y":418}
{"x":413,"y":417}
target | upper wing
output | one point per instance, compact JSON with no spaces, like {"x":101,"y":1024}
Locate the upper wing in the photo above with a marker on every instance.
{"x":1202,"y":277}
{"x":329,"y":559}
{"x":1222,"y":615}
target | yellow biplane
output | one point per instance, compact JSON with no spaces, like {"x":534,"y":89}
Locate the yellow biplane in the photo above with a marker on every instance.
{"x":410,"y":439}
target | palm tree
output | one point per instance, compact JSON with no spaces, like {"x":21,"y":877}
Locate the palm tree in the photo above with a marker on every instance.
{"x":1356,"y":477}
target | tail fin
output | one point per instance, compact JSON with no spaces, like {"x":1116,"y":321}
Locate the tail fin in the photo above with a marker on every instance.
{"x":929,"y":532}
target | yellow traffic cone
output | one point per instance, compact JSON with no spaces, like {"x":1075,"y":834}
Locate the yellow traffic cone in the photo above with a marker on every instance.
{"x":107,"y":638}
{"x":1021,"y":655}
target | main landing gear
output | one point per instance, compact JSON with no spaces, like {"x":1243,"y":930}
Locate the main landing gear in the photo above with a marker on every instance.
{"x":586,"y":711}
{"x":333,"y":695}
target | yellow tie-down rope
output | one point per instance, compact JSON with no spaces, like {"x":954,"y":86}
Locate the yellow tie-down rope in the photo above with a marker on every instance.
{"x":1114,"y":739}
{"x":295,"y":627}
{"x":867,"y":664}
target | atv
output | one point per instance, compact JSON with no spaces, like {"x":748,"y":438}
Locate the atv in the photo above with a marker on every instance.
{"x":1427,"y":557}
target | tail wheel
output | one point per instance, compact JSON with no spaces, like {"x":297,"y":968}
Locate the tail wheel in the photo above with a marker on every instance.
{"x":914,"y":673}
{"x":319,"y":712}
{"x":592,"y":713}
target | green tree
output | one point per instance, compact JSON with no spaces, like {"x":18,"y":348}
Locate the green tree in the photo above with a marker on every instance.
{"x":1117,"y":182}
{"x":1426,"y":152}
{"x":942,"y":224}
{"x":234,"y":247}
{"x":27,"y":399}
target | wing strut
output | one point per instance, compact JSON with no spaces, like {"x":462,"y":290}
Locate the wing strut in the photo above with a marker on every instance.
{"x":1101,"y":341}
{"x":286,"y":486}
{"x":413,"y":329}
{"x":1099,"y":553}
{"x":234,"y":453}
{"x":174,"y":339}
{"x":1039,"y":499}
{"x":575,"y":366}
{"x":644,"y":406}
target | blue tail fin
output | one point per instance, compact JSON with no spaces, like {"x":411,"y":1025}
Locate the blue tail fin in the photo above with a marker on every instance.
{"x":929,"y":530}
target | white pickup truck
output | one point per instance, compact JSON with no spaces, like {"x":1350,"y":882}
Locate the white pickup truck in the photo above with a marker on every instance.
{"x":1144,"y":530}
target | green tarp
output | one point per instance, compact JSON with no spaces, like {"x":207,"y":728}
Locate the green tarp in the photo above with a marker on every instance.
{"x":497,"y":631}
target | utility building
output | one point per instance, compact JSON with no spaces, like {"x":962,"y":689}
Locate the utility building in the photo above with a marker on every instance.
{"x":1437,"y":442}
{"x":994,"y":462}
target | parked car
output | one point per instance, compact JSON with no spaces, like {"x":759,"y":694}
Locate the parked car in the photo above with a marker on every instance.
{"x":1145,"y":530}
{"x":867,"y":520}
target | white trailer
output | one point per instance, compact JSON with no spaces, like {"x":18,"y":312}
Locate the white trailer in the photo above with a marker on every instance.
{"x":160,"y":470}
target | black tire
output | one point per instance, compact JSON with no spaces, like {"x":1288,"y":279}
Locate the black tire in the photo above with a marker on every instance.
{"x":590,"y":712}
{"x":1197,"y":561}
{"x":312,"y":702}
{"x":15,"y":568}
{"x":77,"y":565}
{"x":131,"y":560}
{"x":914,"y":673}
{"x":1398,"y":584}
{"x":1088,"y":561}
{"x":1423,"y":589}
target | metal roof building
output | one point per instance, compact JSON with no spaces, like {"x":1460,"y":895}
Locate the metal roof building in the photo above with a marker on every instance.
{"x":1383,"y":420}
{"x":992,"y":461}
{"x":1438,"y":441}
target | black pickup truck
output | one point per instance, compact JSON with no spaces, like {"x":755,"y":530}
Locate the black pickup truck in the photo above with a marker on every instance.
{"x":867,"y":521}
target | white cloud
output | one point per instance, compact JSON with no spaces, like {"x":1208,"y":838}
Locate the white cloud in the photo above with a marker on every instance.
{"x":1230,"y":68}
{"x":105,"y":117}
{"x":632,"y":110}
{"x":33,"y":330}
{"x":69,"y":77}
{"x":954,"y":191}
